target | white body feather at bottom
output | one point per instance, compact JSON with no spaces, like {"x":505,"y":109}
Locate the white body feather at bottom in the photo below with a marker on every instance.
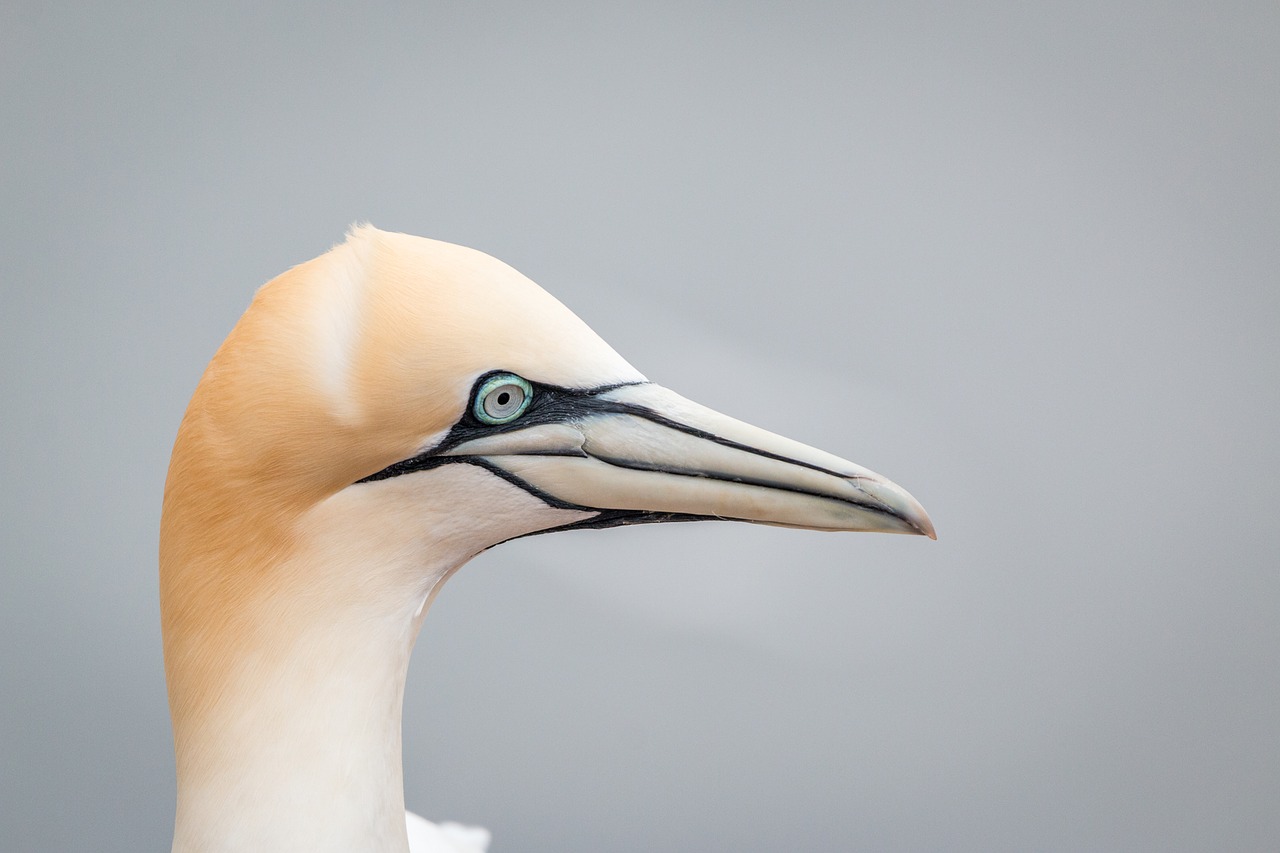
{"x":428,"y":837}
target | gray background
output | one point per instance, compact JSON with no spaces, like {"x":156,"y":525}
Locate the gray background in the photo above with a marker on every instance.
{"x":1022,"y":258}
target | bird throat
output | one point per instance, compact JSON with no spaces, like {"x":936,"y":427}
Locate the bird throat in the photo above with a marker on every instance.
{"x":302,"y":750}
{"x":287,"y":715}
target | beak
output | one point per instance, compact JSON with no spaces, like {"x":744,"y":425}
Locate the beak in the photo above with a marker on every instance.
{"x":637,"y":453}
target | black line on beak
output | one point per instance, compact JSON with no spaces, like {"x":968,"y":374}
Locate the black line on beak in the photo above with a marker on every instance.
{"x":552,"y":404}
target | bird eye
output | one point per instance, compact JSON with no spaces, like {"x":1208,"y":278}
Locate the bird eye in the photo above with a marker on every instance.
{"x":502,"y":398}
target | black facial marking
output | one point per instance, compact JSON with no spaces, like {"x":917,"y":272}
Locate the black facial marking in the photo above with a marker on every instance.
{"x":554,"y":404}
{"x":605,"y":519}
{"x":551,"y":404}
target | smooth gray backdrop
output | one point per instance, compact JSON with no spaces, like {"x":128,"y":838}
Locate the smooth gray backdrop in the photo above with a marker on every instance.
{"x":1020,"y":257}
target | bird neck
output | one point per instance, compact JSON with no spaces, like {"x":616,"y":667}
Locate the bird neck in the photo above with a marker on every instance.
{"x":303,"y":749}
{"x":287,"y":641}
{"x":287,"y":644}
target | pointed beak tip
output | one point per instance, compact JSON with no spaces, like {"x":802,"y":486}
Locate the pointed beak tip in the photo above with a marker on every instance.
{"x":917,"y":521}
{"x":909,"y":516}
{"x":920,"y":520}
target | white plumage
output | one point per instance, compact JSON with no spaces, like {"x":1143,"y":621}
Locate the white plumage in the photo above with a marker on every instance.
{"x":427,"y":837}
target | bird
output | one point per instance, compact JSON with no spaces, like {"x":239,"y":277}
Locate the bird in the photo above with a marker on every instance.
{"x":377,"y":417}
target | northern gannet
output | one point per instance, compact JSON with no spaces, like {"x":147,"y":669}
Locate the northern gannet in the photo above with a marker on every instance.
{"x":378,"y":416}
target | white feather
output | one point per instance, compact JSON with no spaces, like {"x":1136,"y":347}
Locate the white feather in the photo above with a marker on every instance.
{"x":427,"y":837}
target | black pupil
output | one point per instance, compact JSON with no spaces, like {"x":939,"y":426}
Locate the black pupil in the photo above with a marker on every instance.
{"x":504,"y":398}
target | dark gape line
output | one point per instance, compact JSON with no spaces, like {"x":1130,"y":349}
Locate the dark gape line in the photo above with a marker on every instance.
{"x":552,"y":404}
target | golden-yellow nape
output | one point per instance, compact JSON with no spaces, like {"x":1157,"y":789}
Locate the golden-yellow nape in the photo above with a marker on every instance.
{"x":378,"y":416}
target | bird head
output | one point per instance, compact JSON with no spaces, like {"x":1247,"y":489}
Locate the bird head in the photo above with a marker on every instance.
{"x":400,"y":404}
